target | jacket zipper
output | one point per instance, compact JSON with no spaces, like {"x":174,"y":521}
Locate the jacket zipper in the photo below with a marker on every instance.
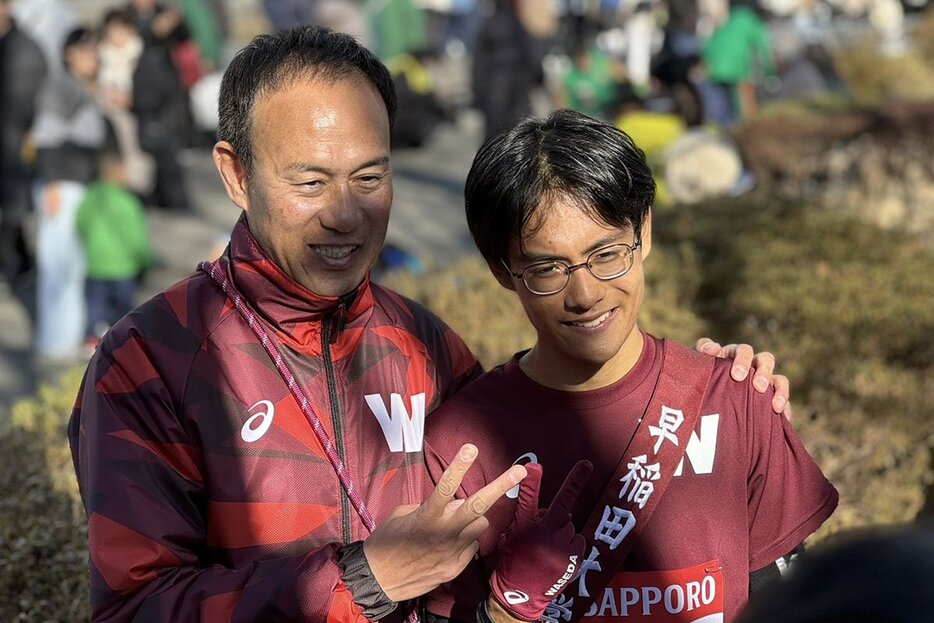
{"x":336,"y":414}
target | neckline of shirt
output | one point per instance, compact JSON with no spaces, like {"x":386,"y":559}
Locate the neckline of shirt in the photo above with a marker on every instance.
{"x":590,"y":399}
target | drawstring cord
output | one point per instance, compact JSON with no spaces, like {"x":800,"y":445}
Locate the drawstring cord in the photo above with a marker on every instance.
{"x":297,"y":392}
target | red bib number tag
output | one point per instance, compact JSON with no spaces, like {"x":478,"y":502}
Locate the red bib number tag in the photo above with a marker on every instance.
{"x":692,"y":595}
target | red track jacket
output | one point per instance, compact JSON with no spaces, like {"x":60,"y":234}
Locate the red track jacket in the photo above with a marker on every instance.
{"x":208,"y":496}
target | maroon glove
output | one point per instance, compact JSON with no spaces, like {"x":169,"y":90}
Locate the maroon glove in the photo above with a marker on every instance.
{"x":539,"y":553}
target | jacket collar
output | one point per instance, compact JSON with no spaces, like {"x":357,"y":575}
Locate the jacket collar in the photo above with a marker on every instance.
{"x":279,"y":299}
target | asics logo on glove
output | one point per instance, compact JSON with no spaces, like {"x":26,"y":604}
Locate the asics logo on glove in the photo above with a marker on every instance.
{"x":515,"y":597}
{"x":572,"y":567}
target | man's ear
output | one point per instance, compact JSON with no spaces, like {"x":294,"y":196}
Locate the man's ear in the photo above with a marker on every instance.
{"x":503,"y":277}
{"x":647,"y":234}
{"x":233,"y":174}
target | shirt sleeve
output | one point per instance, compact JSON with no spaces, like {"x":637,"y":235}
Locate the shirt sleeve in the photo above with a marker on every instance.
{"x":788,"y":496}
{"x":141,"y":480}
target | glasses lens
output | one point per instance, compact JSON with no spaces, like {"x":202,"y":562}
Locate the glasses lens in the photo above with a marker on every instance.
{"x":546,"y":278}
{"x":611,"y":261}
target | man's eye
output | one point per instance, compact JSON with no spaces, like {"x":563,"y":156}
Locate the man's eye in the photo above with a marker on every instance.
{"x":545,"y":270}
{"x":605,"y":257}
{"x":370,"y":180}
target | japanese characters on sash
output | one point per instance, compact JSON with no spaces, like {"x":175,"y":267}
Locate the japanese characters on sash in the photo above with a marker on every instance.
{"x":646,"y":468}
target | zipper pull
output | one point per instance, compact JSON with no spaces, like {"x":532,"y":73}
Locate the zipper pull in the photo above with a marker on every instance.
{"x":337,"y":319}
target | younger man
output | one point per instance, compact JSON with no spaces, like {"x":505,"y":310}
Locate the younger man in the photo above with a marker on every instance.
{"x":561,"y":210}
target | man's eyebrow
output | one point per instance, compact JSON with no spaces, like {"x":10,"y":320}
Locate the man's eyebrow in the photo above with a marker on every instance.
{"x":547,"y":257}
{"x":375,"y":162}
{"x":304,"y":167}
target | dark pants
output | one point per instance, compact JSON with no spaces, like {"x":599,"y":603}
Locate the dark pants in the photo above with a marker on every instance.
{"x":719,"y":103}
{"x":109,"y":300}
{"x":15,"y":258}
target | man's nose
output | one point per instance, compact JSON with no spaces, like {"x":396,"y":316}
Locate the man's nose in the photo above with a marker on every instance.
{"x":343,"y":212}
{"x":583,"y":290}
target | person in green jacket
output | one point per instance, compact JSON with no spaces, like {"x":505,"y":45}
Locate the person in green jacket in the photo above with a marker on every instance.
{"x":590,"y":84}
{"x":737,"y":55}
{"x":112,"y":227}
{"x":396,"y":27}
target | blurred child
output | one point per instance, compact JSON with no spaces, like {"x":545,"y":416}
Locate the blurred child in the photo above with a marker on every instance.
{"x":112,"y":227}
{"x":120,"y":48}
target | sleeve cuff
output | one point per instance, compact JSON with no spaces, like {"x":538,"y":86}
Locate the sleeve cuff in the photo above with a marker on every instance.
{"x":359,"y":580}
{"x":483,"y":613}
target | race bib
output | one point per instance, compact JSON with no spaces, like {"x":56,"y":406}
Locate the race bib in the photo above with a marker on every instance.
{"x":692,"y":595}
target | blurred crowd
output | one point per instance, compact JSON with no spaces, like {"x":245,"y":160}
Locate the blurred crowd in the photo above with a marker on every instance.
{"x":95,"y":116}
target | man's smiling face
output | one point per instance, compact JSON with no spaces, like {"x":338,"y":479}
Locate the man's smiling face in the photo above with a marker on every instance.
{"x":319,"y":194}
{"x":587,"y":333}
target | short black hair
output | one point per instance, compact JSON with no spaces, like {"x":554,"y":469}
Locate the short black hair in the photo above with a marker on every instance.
{"x":567,"y":155}
{"x":78,"y":36}
{"x":272,"y":60}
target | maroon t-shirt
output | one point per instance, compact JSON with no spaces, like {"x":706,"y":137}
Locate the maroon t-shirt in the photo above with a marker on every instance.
{"x":747,"y":491}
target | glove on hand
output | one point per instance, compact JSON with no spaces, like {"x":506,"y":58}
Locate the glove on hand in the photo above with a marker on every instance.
{"x":539,"y":553}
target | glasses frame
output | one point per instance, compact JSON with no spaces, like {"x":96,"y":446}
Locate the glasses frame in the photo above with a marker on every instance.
{"x":570,"y":268}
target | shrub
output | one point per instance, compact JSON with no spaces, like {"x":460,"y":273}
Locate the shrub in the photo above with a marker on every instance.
{"x":869,"y":77}
{"x":821,"y":284}
{"x":873,"y":78}
{"x":43,"y":560}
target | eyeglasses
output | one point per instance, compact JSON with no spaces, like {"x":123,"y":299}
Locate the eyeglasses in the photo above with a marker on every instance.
{"x":606,"y":263}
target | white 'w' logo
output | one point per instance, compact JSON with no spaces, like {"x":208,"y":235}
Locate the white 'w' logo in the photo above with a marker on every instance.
{"x":403,"y":430}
